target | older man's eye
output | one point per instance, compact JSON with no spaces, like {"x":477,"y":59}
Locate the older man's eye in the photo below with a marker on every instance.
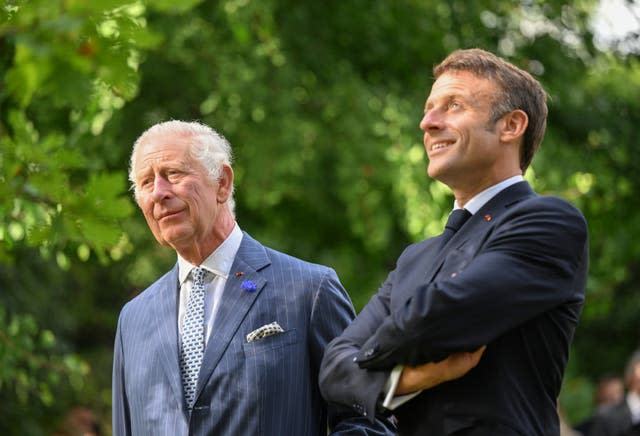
{"x":173,"y":175}
{"x":145,"y":183}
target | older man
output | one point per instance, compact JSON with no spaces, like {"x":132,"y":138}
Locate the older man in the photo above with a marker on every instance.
{"x":230,"y":340}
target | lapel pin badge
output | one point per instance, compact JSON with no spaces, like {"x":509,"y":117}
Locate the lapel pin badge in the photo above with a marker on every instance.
{"x":249,"y":286}
{"x":488,"y":217}
{"x":239,"y":273}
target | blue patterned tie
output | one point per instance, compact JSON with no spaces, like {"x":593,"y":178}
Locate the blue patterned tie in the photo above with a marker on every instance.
{"x":193,"y":337}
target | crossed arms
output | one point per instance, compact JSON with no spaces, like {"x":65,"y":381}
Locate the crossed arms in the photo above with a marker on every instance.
{"x":530,"y":262}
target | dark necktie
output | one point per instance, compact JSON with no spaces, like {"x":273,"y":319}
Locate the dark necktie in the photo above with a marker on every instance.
{"x":456,"y":219}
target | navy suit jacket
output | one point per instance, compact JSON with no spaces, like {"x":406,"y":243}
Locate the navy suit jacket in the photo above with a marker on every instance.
{"x":513,"y":277}
{"x":265,"y":387}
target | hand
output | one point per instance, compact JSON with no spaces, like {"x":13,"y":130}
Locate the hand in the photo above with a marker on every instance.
{"x":428,"y":375}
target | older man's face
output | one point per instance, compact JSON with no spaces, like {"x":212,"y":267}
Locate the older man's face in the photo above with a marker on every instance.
{"x":179,"y":201}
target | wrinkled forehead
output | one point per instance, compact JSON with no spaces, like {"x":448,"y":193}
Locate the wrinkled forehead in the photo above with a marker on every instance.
{"x":163,"y":147}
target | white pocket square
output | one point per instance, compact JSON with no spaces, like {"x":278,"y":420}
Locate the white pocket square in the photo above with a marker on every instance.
{"x":264,"y":331}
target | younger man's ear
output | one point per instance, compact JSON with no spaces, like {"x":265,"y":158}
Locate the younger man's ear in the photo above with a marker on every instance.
{"x":513,"y":125}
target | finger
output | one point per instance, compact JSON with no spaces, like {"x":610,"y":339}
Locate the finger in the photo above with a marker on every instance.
{"x":476,"y":355}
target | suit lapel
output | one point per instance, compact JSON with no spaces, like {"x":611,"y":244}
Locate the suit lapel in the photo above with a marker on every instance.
{"x":235,"y":303}
{"x":480,"y":223}
{"x":167,"y":329}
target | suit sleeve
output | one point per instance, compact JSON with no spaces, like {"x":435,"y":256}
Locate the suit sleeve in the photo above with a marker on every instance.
{"x":120,"y":408}
{"x":534,"y":261}
{"x":342,"y":382}
{"x":331,"y":314}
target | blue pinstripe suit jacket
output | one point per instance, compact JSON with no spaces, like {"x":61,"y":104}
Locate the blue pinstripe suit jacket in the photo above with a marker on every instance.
{"x":266,"y":387}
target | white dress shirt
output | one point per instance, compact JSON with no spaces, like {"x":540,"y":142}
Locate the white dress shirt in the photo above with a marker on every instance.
{"x":391,"y":401}
{"x":218,"y":265}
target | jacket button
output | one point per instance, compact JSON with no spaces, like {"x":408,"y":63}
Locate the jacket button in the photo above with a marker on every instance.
{"x":369,"y":352}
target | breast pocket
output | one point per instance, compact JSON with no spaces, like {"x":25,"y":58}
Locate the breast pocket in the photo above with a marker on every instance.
{"x":269,"y":343}
{"x":270,"y":362}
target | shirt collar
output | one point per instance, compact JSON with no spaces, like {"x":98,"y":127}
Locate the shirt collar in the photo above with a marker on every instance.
{"x":220,"y":261}
{"x":482,"y":198}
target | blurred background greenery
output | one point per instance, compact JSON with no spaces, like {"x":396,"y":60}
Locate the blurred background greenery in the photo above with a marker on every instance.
{"x":321,"y":101}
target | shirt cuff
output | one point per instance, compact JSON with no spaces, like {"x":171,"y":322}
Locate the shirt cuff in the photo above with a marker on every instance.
{"x":391,"y":401}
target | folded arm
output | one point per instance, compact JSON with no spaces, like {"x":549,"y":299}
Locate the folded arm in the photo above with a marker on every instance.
{"x":345,"y":384}
{"x":534,"y":261}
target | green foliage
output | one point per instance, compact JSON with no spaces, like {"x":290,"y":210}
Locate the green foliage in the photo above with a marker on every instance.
{"x":71,"y":66}
{"x":66,"y":67}
{"x":31,"y":369}
{"x":321,"y":101}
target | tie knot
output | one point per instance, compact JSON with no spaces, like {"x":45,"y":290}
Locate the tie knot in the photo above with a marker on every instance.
{"x":198,"y":274}
{"x":457,"y":218}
